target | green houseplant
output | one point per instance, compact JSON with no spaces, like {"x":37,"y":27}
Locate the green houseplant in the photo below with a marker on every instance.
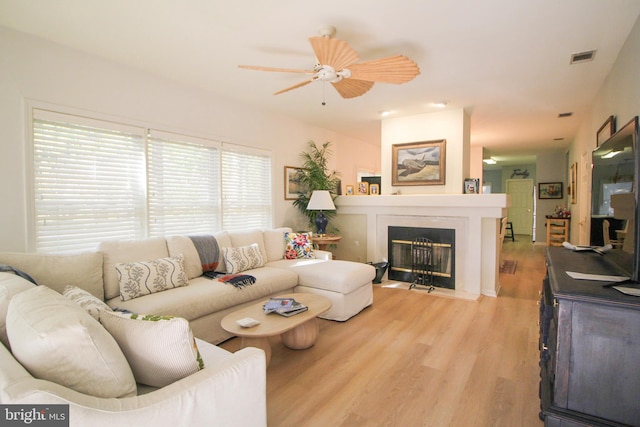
{"x":315,"y":175}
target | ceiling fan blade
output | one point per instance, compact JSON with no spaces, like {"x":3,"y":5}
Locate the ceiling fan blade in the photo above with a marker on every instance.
{"x":333,"y":52}
{"x":393,"y":69}
{"x":304,"y":83}
{"x":282,"y":70}
{"x":350,"y":88}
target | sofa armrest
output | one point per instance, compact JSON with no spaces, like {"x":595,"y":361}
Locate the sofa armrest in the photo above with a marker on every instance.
{"x":322,"y":254}
{"x":231,"y":393}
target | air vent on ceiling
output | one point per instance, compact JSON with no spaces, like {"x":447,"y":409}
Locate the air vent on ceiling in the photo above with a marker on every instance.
{"x":583,"y":56}
{"x":561,"y":115}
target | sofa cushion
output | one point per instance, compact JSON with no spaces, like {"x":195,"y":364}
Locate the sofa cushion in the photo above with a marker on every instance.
{"x":83,"y":270}
{"x":159,"y":349}
{"x":246,"y":238}
{"x":298,"y":245}
{"x":147,"y":277}
{"x":56,"y":340}
{"x":242,"y":258}
{"x":204,"y":296}
{"x":274,"y":243}
{"x":84,"y":299}
{"x":337,"y":276}
{"x":10,"y":285}
{"x":184,"y":245}
{"x":121,"y":251}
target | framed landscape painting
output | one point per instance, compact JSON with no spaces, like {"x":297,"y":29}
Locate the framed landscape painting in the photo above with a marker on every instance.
{"x":419,"y":163}
{"x":292,"y":183}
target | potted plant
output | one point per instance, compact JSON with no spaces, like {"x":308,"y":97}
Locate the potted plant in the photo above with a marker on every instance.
{"x":315,"y":175}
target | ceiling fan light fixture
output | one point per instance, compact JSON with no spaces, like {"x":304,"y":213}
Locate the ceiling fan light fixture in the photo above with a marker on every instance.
{"x":337,"y":63}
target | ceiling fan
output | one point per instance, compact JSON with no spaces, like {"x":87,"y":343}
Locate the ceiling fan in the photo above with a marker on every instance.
{"x":337,"y":64}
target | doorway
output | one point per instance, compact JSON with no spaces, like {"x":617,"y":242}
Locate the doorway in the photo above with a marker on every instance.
{"x":521,"y":211}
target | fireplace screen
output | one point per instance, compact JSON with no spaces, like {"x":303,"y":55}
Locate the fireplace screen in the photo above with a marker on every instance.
{"x":401,"y":265}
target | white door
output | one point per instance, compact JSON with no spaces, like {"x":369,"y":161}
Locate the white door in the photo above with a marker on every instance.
{"x":521,"y":210}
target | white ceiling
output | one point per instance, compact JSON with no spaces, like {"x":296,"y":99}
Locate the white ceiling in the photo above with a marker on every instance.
{"x":506,"y":62}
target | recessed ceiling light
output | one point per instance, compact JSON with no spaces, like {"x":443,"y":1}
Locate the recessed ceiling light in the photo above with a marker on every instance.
{"x":490,"y":161}
{"x":385,"y":113}
{"x":440,"y":104}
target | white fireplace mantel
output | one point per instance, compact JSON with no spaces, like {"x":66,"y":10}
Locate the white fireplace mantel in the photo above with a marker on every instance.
{"x":474,"y":217}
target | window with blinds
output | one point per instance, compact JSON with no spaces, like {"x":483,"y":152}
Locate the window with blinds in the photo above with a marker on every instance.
{"x":96,"y":180}
{"x":246,"y":189}
{"x":184,"y":185}
{"x":88,"y":182}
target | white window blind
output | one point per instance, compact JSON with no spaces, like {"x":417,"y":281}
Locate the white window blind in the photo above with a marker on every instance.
{"x":184,"y":185}
{"x":246,"y":189}
{"x":88,"y":182}
{"x":95,"y":180}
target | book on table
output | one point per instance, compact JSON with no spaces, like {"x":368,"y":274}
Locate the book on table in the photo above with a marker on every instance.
{"x":284,"y":306}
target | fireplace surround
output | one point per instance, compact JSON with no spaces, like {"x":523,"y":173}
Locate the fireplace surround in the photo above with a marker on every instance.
{"x":475,"y":218}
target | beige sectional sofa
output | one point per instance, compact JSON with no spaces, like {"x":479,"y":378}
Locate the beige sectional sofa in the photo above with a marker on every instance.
{"x":201,"y":398}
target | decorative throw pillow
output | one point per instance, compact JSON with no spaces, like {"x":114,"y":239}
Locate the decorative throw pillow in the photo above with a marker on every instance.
{"x":159,"y":349}
{"x":143,"y":278}
{"x":91,"y":304}
{"x":298,"y":245}
{"x":242,"y":258}
{"x":56,"y":340}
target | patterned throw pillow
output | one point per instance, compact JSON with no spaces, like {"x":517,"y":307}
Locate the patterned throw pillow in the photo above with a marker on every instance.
{"x":91,"y":304}
{"x":143,"y":278}
{"x":298,"y":245}
{"x":242,"y":258}
{"x":159,"y":349}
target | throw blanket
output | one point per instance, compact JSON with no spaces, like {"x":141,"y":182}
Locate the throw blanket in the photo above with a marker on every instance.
{"x":237,"y":280}
{"x":9,"y":269}
{"x":208,"y":251}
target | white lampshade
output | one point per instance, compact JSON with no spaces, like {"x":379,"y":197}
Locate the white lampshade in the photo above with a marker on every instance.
{"x":321,"y":201}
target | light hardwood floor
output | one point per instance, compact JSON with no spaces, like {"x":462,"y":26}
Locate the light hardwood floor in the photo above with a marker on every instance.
{"x":416,"y":359}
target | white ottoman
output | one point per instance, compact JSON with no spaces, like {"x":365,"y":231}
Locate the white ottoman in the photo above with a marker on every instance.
{"x":347,"y":284}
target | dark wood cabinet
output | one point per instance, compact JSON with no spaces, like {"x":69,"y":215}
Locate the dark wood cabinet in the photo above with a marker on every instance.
{"x":589,"y":345}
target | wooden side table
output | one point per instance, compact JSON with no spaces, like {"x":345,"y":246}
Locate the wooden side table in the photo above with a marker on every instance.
{"x":325,"y":241}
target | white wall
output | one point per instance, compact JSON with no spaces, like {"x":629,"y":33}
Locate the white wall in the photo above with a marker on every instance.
{"x":451,"y":125}
{"x":550,"y":165}
{"x":619,"y":96}
{"x":34,"y":69}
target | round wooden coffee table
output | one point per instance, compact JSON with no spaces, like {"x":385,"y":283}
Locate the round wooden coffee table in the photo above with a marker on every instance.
{"x":297,"y":332}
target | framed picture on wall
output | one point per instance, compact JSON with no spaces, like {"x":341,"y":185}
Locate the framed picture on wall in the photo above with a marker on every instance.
{"x":607,"y":129}
{"x":418,"y":163}
{"x":573,"y":186}
{"x":293,"y":185}
{"x":550,"y":190}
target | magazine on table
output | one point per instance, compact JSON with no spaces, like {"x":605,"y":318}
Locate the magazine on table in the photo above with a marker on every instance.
{"x":284,"y":306}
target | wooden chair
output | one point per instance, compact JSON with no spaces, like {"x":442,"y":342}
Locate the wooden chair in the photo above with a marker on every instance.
{"x":503,"y":230}
{"x":615,"y":243}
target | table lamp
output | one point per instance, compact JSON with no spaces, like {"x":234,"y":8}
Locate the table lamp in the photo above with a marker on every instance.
{"x":321,"y":201}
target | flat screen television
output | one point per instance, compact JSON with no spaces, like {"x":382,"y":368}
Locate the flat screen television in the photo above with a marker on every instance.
{"x":615,"y":181}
